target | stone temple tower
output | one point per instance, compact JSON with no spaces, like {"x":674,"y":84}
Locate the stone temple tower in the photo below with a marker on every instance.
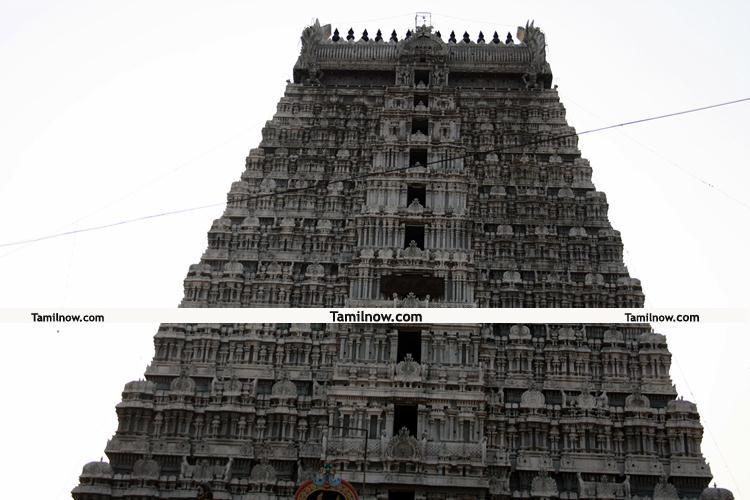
{"x":417,"y":171}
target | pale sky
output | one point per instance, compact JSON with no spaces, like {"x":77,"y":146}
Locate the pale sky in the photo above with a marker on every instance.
{"x":111,"y":110}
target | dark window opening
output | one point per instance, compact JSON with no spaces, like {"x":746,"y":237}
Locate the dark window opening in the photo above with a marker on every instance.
{"x":416,"y":192}
{"x":409,"y":342}
{"x":467,"y":431}
{"x":419,"y":125}
{"x":424,"y":99}
{"x":400,"y":495}
{"x":405,"y":416}
{"x":422,"y":76}
{"x":417,"y":156}
{"x":415,"y":234}
{"x":420,"y":285}
{"x":346,"y":425}
{"x":373,"y":427}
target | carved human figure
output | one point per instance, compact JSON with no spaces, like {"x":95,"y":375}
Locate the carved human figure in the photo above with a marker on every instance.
{"x":603,"y":400}
{"x":241,"y":425}
{"x":158,"y":419}
{"x":228,"y":469}
{"x":185,"y":468}
{"x":403,"y":76}
{"x":626,"y":486}
{"x":439,"y":76}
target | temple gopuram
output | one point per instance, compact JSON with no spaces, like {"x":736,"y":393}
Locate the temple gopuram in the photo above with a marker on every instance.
{"x":413,"y":170}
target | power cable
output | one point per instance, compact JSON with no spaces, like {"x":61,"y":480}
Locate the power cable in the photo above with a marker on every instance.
{"x":381,"y":172}
{"x":669,"y":161}
{"x":147,"y":183}
{"x":694,"y":398}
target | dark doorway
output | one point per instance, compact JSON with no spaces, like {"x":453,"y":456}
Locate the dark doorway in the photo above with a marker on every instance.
{"x":421,"y":76}
{"x":422,"y":98}
{"x":416,"y":192}
{"x":409,"y":342}
{"x":405,"y":416}
{"x":415,"y":234}
{"x":417,"y":156}
{"x":420,"y":125}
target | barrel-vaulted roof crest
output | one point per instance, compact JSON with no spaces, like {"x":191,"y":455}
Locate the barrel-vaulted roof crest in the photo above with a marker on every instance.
{"x":326,"y":52}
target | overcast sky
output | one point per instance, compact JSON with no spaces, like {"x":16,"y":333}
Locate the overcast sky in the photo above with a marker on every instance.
{"x":112,"y":110}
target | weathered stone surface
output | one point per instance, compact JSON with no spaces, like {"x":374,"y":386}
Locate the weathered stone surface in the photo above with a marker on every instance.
{"x":495,"y":211}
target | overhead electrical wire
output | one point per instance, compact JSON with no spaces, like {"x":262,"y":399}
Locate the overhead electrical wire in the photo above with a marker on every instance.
{"x":667,"y":160}
{"x":320,"y":184}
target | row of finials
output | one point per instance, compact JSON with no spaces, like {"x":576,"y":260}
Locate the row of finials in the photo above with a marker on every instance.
{"x":394,"y":37}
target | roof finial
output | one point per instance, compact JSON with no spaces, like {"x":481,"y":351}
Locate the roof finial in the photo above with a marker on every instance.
{"x":466,"y":37}
{"x":452,"y":38}
{"x":394,"y":37}
{"x":408,"y":34}
{"x":509,"y":39}
{"x":336,"y":36}
{"x":378,"y":36}
{"x":422,"y":19}
{"x":350,"y":36}
{"x":481,"y":38}
{"x":496,"y":38}
{"x":365,"y":36}
{"x":437,"y":34}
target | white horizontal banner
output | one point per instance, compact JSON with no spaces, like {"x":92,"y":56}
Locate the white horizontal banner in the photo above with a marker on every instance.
{"x":375,"y":315}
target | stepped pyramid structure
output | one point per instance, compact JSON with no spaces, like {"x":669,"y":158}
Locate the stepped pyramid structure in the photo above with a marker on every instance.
{"x":427,"y":171}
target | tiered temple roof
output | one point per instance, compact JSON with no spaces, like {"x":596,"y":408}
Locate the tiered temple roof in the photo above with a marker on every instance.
{"x":419,"y":172}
